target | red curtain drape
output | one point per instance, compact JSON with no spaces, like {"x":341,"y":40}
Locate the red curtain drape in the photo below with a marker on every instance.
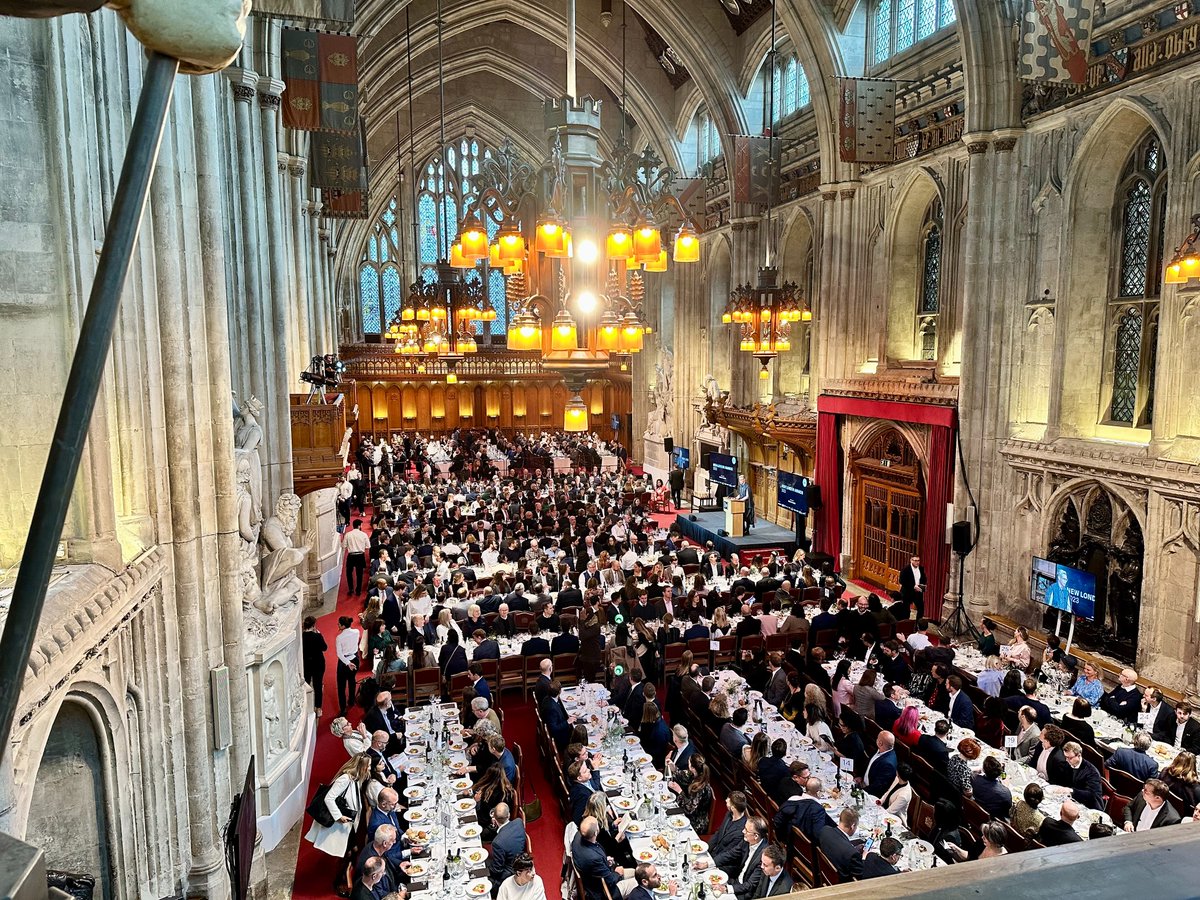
{"x":939,"y":490}
{"x":827,"y":533}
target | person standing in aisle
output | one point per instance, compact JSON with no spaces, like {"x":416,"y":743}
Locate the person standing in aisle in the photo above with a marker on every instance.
{"x":676,"y":481}
{"x":347,"y":666}
{"x":314,"y":661}
{"x":356,"y":544}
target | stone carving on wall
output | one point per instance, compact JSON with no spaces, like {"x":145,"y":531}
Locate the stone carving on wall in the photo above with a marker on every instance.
{"x":247,"y":438}
{"x":272,"y":707}
{"x":279,"y":583}
{"x":660,"y":420}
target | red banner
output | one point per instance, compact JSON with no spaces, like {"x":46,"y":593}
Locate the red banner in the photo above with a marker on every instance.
{"x":302,"y":99}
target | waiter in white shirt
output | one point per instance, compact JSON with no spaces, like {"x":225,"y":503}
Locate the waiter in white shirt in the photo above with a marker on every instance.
{"x":356,"y":544}
{"x":346,"y":647}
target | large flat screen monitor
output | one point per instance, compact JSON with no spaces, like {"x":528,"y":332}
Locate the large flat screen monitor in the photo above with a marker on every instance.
{"x":682,"y":457}
{"x":1063,"y":587}
{"x":793,"y":492}
{"x":722,"y":469}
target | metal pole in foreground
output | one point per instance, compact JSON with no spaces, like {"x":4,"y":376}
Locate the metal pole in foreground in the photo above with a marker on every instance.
{"x":83,"y":384}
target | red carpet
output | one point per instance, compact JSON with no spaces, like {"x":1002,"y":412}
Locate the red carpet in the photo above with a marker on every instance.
{"x":315,"y":871}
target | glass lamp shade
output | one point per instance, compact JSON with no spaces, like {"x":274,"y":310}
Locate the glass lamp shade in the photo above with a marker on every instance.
{"x":408,"y":314}
{"x":399,"y":349}
{"x":647,"y":243}
{"x":524,"y":333}
{"x":460,"y":260}
{"x":423,"y":313}
{"x":511,"y":244}
{"x":564,"y":335}
{"x":550,"y":237}
{"x":726,"y":317}
{"x":632,"y":334}
{"x":568,"y":249}
{"x":687,"y":245}
{"x":619,"y":244}
{"x":473,"y":239}
{"x":764,"y":373}
{"x":1184,"y":265}
{"x":494,"y":256}
{"x":575,"y":415}
{"x":451,"y":378}
{"x":659,"y":265}
{"x":437,"y":313}
{"x":806,"y":315}
{"x":608,"y":334}
{"x":747,"y":344}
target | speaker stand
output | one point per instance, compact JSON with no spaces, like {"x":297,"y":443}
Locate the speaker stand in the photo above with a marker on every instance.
{"x":959,"y":621}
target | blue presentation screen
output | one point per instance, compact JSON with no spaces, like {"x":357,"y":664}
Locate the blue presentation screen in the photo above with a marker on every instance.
{"x":793,"y":492}
{"x":1063,"y":587}
{"x":722,"y":469}
{"x":682,"y":457}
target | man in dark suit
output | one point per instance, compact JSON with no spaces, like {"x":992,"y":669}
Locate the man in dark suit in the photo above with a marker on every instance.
{"x":566,"y":641}
{"x":888,"y":710}
{"x":505,"y":623}
{"x":373,"y":882}
{"x":568,"y":597}
{"x":989,"y":792}
{"x":727,"y":842}
{"x":749,"y":625}
{"x":881,"y":768}
{"x":893,"y":665}
{"x":385,"y":717}
{"x":1029,"y":698}
{"x":1125,"y":700}
{"x":802,"y":809}
{"x":541,"y":687}
{"x":962,"y":710}
{"x":744,"y":880}
{"x":1185,"y":731}
{"x":835,"y":842}
{"x":535,"y":645}
{"x":646,"y":881}
{"x":824,"y":620}
{"x":1086,"y":786}
{"x":1162,"y":722}
{"x":1056,"y":832}
{"x":507,"y":845}
{"x":1135,"y":760}
{"x":636,"y":700}
{"x":382,"y":769}
{"x":912,"y":585}
{"x":777,"y":684}
{"x":774,"y":774}
{"x":1048,"y":758}
{"x":554,"y":714}
{"x":933,"y":749}
{"x":579,"y":774}
{"x":732,"y":738}
{"x":876,"y":865}
{"x":688,"y":555}
{"x":485,"y":647}
{"x":592,"y":862}
{"x":774,"y":881}
{"x":1150,"y":808}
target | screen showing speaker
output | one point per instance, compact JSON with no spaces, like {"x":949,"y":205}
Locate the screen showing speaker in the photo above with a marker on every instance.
{"x":793,"y":492}
{"x":1063,"y":587}
{"x":722,"y":468}
{"x":682,"y":457}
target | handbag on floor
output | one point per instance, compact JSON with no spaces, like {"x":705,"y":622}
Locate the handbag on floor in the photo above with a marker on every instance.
{"x":531,"y":811}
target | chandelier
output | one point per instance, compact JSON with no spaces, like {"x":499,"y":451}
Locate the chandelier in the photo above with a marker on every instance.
{"x":764,"y":315}
{"x":1185,"y":264}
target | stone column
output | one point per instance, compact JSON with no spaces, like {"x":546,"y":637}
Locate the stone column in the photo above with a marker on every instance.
{"x":280,"y":374}
{"x":252,"y":301}
{"x":302,"y":303}
{"x":216,"y":324}
{"x":185,"y":401}
{"x":316,"y":287}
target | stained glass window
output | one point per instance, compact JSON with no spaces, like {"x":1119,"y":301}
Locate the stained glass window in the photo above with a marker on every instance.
{"x":898,"y":24}
{"x":789,"y":87}
{"x":1140,"y":208}
{"x":379,"y":277}
{"x":931,"y":271}
{"x":444,"y":195}
{"x":1127,"y":366}
{"x":930,"y":281}
{"x":803,"y":95}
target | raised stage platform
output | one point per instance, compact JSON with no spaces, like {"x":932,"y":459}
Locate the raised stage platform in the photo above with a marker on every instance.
{"x":763,"y":536}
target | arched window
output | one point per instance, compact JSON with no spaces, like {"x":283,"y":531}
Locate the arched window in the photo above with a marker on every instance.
{"x":929,"y":284}
{"x":1138,"y":213}
{"x":379,"y":273}
{"x":898,"y":24}
{"x":708,"y":140}
{"x":446,"y":184}
{"x":789,"y":86}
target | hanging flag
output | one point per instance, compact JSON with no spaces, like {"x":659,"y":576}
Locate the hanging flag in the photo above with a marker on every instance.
{"x":321,"y":74}
{"x":302,"y":98}
{"x":755,"y":172}
{"x":345,"y":204}
{"x":337,"y":162}
{"x":334,"y":12}
{"x":1055,"y":40}
{"x":691,"y":194}
{"x":867,"y":120}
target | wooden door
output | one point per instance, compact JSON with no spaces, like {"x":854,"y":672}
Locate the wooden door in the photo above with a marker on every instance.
{"x":888,"y":528}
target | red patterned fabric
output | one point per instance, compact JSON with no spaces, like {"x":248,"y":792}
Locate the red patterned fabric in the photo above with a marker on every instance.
{"x":939,"y":490}
{"x":827,"y":530}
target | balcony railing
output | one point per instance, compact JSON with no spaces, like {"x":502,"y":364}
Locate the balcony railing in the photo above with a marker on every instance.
{"x":380,"y":362}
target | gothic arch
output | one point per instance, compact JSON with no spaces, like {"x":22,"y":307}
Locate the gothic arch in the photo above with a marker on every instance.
{"x":993,"y":91}
{"x":1088,"y":239}
{"x":905,"y":235}
{"x":872,"y":429}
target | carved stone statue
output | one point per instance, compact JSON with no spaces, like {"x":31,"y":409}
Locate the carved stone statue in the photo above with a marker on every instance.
{"x":247,"y":439}
{"x":271,"y":713}
{"x":249,"y":525}
{"x":660,"y":420}
{"x":278,"y":581}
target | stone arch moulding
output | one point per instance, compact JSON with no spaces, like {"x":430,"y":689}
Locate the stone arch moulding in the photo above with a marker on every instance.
{"x":903,"y":241}
{"x":1075,"y":487}
{"x":862,"y":436}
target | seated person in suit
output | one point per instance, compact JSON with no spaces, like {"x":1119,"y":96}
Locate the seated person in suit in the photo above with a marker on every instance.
{"x":1056,"y":832}
{"x":883,"y":862}
{"x":535,"y":645}
{"x":507,"y":846}
{"x":774,"y":881}
{"x":579,"y":776}
{"x":1150,"y":808}
{"x":592,"y":863}
{"x":373,"y":883}
{"x":989,"y":792}
{"x":485,"y":647}
{"x":554,"y":714}
{"x":888,"y":710}
{"x":732,"y":737}
{"x":1135,"y":760}
{"x":835,"y":842}
{"x":1086,"y":786}
{"x":1125,"y":700}
{"x":383,"y":716}
{"x":802,"y":810}
{"x":773,"y":771}
{"x":505,"y":623}
{"x":566,"y":641}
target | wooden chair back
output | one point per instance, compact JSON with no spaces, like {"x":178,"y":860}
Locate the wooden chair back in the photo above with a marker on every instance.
{"x":427,"y":682}
{"x":826,"y":870}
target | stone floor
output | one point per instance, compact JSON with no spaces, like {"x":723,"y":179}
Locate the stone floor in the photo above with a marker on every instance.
{"x":281,"y":866}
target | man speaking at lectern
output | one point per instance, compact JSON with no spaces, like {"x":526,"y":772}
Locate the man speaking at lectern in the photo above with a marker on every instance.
{"x":743,"y":493}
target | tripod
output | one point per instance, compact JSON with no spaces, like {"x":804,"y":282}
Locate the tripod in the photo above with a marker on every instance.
{"x":959,"y":621}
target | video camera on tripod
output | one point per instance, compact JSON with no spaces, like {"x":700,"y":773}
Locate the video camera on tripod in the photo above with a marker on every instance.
{"x":322,"y":373}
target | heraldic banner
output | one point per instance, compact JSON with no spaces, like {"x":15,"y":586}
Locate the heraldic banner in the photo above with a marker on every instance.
{"x":866,"y":120}
{"x":339,"y":13}
{"x":755,"y":174}
{"x":1055,"y":40}
{"x":321,"y":73}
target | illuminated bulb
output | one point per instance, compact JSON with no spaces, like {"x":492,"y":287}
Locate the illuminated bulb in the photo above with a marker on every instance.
{"x":588,"y":251}
{"x":587,"y":302}
{"x":764,"y":373}
{"x":451,"y":378}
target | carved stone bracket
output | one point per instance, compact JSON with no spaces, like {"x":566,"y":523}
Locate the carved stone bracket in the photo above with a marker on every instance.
{"x":918,"y":388}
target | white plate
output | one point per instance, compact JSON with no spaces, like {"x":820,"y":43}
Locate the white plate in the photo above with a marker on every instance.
{"x":461,"y":784}
{"x":642,"y":761}
{"x":678,"y":822}
{"x":415,"y":768}
{"x":414,"y":793}
{"x":464,"y":805}
{"x":414,"y":751}
{"x":645,"y":856}
{"x":480,"y":887}
{"x":623,"y":803}
{"x":635,"y":827}
{"x":697,"y":847}
{"x":470,"y":831}
{"x":611,"y":781}
{"x":715,"y":877}
{"x":416,"y":814}
{"x":632,"y":740}
{"x":475,"y":855}
{"x":417,"y":869}
{"x":653,"y":777}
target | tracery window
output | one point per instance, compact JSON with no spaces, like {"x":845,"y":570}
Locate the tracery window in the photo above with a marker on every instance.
{"x":708,"y":140}
{"x":1132,"y":319}
{"x":897,"y":25}
{"x":929,"y":284}
{"x":792,"y":92}
{"x":379,"y":272}
{"x":447,"y":183}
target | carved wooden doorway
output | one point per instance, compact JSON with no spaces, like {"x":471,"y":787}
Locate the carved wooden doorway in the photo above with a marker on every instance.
{"x":888,"y":498}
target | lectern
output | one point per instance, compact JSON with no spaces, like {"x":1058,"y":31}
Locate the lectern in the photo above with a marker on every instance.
{"x":735,"y":516}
